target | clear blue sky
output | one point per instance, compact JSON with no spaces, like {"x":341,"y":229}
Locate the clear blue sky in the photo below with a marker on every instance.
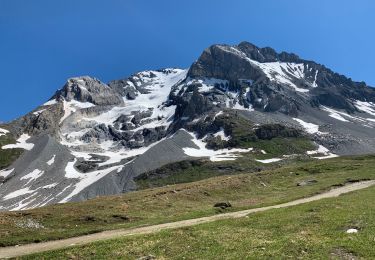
{"x":44,"y":42}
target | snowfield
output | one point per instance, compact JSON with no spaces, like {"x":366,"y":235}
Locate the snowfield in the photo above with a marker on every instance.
{"x":155,"y":99}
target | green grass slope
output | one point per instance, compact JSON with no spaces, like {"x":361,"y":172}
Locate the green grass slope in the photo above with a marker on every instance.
{"x":182,"y":201}
{"x":315,"y":230}
{"x":7,"y":156}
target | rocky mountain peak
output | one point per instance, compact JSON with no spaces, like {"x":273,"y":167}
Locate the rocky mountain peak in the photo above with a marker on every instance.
{"x":93,"y":138}
{"x":87,"y":89}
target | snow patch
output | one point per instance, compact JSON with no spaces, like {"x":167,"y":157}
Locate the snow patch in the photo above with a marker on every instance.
{"x":222,"y":135}
{"x":342,"y":116}
{"x":50,"y":102}
{"x":18,"y":193}
{"x":269,"y":160}
{"x":21,"y":143}
{"x":52,"y":160}
{"x":6,"y":173}
{"x":218,"y":155}
{"x":309,"y":127}
{"x":37,"y":113}
{"x":218,"y":114}
{"x":84,"y":179}
{"x":314,"y":84}
{"x":35,"y":174}
{"x":335,"y":114}
{"x":281,"y":72}
{"x":323,"y":151}
{"x":71,"y":106}
{"x":209,"y":84}
{"x":3,"y":131}
{"x":367,"y":107}
{"x":50,"y":186}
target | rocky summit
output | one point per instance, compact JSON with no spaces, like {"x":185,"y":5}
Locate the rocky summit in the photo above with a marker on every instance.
{"x":94,"y":138}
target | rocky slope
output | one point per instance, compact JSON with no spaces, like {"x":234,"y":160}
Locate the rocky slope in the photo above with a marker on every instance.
{"x":93,"y":138}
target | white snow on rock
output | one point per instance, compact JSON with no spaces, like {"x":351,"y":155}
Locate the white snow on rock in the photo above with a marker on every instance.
{"x":222,"y":135}
{"x":18,"y":193}
{"x":158,"y":88}
{"x":352,"y":231}
{"x":309,"y":127}
{"x":6,"y":173}
{"x":218,"y":155}
{"x":22,"y":205}
{"x":322,"y":151}
{"x":218,"y":114}
{"x":37,"y":113}
{"x":21,"y":143}
{"x":232,"y":101}
{"x":263,"y":152}
{"x":280,"y":72}
{"x":314,"y":84}
{"x":335,"y":114}
{"x":3,"y":131}
{"x":328,"y":156}
{"x":35,"y":174}
{"x":342,"y":116}
{"x":367,"y":107}
{"x":283,"y":72}
{"x":50,"y":186}
{"x":71,"y":106}
{"x":115,"y":156}
{"x":50,"y":102}
{"x":84,"y":179}
{"x":209,"y":84}
{"x":52,"y":160}
{"x":269,"y":160}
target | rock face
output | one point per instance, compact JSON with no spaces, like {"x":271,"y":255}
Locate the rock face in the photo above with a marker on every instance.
{"x":92,"y":139}
{"x":86,"y":89}
{"x":265,"y":70}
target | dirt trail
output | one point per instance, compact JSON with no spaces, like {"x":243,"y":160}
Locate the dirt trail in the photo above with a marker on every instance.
{"x":7,"y":252}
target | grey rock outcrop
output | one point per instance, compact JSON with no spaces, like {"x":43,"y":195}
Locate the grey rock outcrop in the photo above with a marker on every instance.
{"x":86,"y":89}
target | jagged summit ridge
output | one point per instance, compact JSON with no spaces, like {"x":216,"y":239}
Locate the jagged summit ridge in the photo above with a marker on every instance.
{"x":267,"y":70}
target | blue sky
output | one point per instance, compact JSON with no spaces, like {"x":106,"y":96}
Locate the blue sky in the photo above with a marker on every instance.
{"x":44,"y":42}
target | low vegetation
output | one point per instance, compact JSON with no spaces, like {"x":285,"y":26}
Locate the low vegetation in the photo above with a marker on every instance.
{"x":182,"y":201}
{"x":276,"y":139}
{"x":7,"y":156}
{"x":316,"y":230}
{"x":267,"y":141}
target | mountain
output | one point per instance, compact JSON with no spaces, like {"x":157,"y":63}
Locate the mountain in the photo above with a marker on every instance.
{"x":93,"y":138}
